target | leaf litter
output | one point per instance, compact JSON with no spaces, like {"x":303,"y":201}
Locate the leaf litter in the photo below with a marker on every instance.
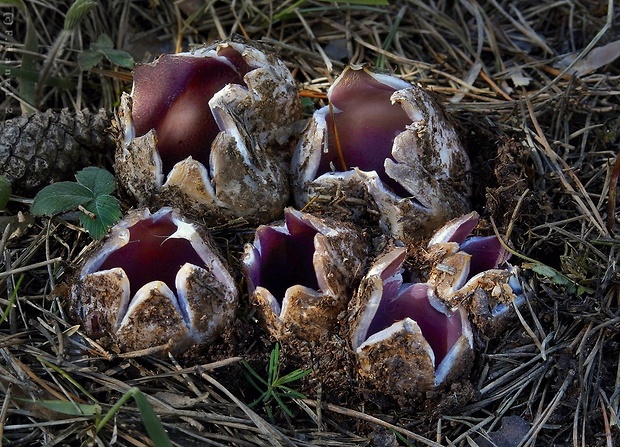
{"x":535,"y":89}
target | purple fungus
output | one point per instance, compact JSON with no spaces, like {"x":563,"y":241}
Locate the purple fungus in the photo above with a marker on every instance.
{"x":486,"y":253}
{"x":387,"y":141}
{"x":362,"y":123}
{"x":466,"y":256}
{"x":406,"y":330}
{"x":440,"y":327}
{"x":301,"y":273}
{"x":284,"y":257}
{"x":473,"y":271}
{"x":153,"y":253}
{"x":155,"y":281}
{"x":172,"y":94}
{"x":207,"y":130}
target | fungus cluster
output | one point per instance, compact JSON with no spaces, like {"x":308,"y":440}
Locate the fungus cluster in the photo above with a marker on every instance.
{"x":215,"y":133}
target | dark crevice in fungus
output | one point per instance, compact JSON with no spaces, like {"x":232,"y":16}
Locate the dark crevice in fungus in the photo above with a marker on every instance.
{"x":285,"y":257}
{"x":151,"y":254}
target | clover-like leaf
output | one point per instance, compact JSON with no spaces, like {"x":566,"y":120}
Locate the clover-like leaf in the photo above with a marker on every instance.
{"x":90,"y":194}
{"x":118,"y":57}
{"x":88,"y":59}
{"x":60,"y":197}
{"x":104,"y":47}
{"x":103,"y":42}
{"x":105,"y":211}
{"x":98,"y":180}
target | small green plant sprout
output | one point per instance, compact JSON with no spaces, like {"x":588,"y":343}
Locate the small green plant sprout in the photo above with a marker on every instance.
{"x":402,"y":440}
{"x":103,"y":47}
{"x":5,"y":191}
{"x":12,"y":300}
{"x":93,"y":412}
{"x":153,"y":425}
{"x":90,"y":195}
{"x":275,"y":387}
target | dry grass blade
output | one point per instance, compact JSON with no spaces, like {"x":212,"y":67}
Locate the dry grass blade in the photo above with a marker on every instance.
{"x":274,"y":436}
{"x":374,"y":420}
{"x":560,"y":166}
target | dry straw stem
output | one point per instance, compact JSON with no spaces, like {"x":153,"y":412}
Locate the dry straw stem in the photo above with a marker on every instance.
{"x":542,"y":139}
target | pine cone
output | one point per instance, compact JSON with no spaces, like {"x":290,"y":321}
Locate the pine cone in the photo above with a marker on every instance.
{"x":46,"y":147}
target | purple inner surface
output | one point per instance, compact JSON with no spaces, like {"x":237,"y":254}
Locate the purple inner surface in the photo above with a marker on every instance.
{"x":400,"y":301}
{"x":486,"y":253}
{"x":366,"y":124}
{"x":150,"y":256}
{"x":463,"y":230}
{"x":394,"y":267}
{"x":285,"y":259}
{"x":172,"y":96}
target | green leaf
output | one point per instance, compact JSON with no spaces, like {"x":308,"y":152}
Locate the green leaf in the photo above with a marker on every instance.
{"x":5,"y":191}
{"x":274,"y":385}
{"x":107,"y":212}
{"x":549,"y":272}
{"x":88,"y":59}
{"x":151,"y":422}
{"x":19,"y":4}
{"x":283,"y":406}
{"x":77,"y":12}
{"x":103,"y":42}
{"x":290,"y":393}
{"x":67,"y":407}
{"x":118,"y":57}
{"x":254,"y":373}
{"x":557,"y":277}
{"x":98,"y":180}
{"x":92,"y":191}
{"x":104,"y":47}
{"x":60,"y":197}
{"x":293,"y":376}
{"x":12,"y":299}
